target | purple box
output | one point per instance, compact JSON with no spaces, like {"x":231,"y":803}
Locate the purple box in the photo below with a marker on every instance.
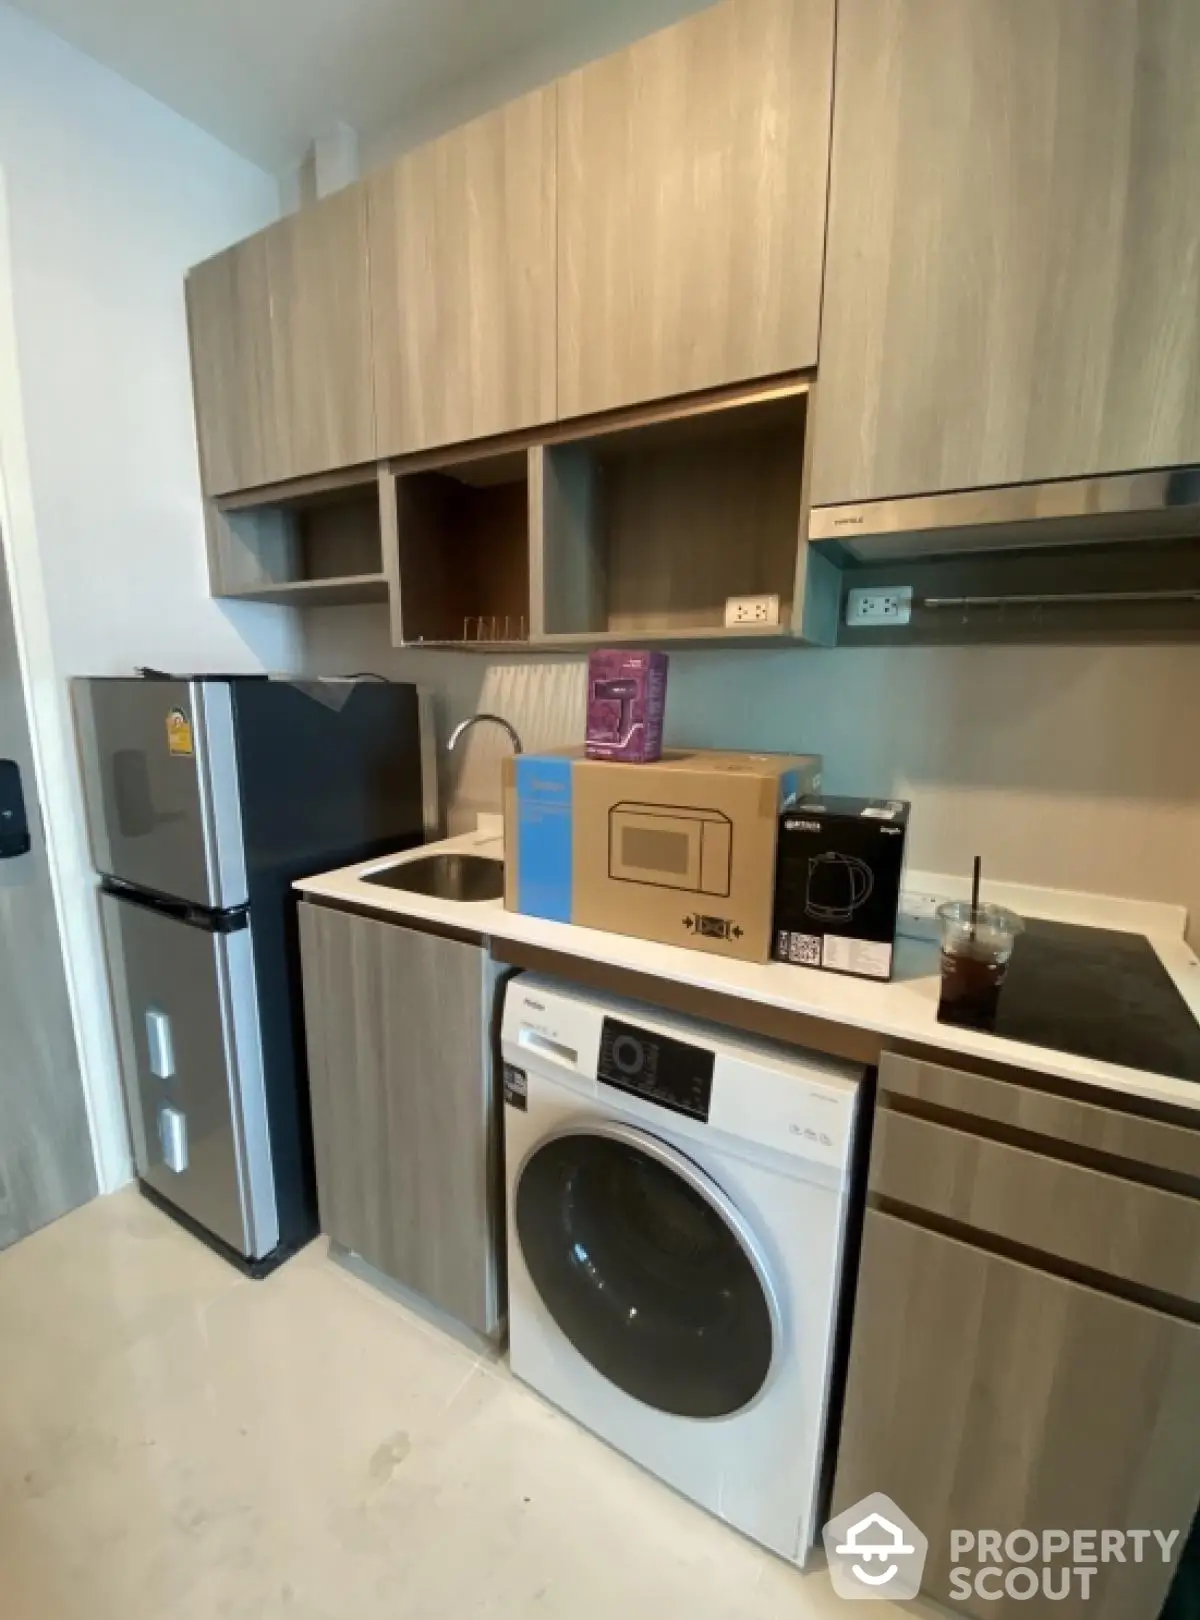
{"x":627,"y":693}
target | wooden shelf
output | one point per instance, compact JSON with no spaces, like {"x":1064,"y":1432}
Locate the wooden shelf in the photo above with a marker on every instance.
{"x":645,"y":530}
{"x":715,"y":411}
{"x":766,"y":635}
{"x":629,"y":528}
{"x":462,"y":551}
{"x":721,"y":415}
{"x":328,"y":486}
{"x":338,"y":591}
{"x":525,"y":646}
{"x":313,"y":543}
{"x":758,"y":635}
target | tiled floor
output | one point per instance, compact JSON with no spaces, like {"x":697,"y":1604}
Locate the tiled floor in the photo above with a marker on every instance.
{"x":177,"y":1442}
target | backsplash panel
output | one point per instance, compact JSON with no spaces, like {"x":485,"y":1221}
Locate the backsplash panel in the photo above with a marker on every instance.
{"x":1068,"y":767}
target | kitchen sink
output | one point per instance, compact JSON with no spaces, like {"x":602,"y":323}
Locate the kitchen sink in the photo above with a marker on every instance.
{"x":448,"y":877}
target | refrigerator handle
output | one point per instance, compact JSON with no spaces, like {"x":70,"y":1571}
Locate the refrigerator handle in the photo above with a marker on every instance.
{"x":431,"y":814}
{"x":160,"y":1044}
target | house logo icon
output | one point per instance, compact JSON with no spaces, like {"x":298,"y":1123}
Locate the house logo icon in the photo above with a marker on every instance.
{"x":875,"y":1551}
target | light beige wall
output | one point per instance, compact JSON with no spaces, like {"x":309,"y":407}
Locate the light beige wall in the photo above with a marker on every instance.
{"x":1070,"y":767}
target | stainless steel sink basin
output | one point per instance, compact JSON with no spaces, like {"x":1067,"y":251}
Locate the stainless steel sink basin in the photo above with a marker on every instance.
{"x":448,"y":877}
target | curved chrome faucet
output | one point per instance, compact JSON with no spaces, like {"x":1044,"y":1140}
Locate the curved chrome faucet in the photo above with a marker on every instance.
{"x":474,"y":719}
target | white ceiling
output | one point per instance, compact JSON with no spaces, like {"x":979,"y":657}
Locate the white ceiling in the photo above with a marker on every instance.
{"x":265,"y":76}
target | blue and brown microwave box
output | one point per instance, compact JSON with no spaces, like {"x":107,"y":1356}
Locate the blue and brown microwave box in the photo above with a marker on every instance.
{"x":681,"y":851}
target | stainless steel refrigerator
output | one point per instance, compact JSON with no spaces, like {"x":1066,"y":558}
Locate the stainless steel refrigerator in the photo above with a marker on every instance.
{"x":207,"y":798}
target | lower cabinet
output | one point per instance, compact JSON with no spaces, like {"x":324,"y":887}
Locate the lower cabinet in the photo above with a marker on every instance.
{"x":1025,"y":1350}
{"x":404,"y":1119}
{"x":984,"y":1393}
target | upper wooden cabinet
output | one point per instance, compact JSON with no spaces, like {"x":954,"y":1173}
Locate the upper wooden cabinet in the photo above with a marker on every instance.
{"x":1012,"y":287}
{"x":693,"y":170}
{"x":321,"y":367}
{"x":281,"y":349}
{"x":462,"y":245}
{"x":228,"y":305}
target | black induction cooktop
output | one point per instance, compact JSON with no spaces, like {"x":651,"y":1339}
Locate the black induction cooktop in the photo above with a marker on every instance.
{"x":1098,"y":993}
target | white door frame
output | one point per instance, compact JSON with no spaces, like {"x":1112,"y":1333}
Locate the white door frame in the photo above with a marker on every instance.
{"x":55,"y":771}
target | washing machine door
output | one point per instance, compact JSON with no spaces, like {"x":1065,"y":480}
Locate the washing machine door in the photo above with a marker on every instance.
{"x":648,"y":1269}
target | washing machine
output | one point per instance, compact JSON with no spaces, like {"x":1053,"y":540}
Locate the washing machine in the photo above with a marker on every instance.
{"x":678,"y":1201}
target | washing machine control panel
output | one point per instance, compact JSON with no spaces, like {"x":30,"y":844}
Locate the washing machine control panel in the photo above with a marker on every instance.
{"x":671,"y":1073}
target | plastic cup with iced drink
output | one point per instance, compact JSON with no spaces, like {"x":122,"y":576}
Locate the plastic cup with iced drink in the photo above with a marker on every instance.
{"x":977,"y":945}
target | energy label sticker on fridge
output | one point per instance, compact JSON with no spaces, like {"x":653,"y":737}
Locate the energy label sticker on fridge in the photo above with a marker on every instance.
{"x":179,"y":734}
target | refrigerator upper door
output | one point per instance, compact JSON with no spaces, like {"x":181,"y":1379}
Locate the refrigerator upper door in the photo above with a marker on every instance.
{"x":161,"y":786}
{"x":191,"y":1063}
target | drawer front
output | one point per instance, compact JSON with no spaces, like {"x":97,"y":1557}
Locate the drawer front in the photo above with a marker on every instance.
{"x":1128,"y":1231}
{"x":985,"y":1394}
{"x":1172,"y":1148}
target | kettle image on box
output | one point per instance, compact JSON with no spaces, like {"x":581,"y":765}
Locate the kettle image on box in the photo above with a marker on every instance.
{"x":837,"y":886}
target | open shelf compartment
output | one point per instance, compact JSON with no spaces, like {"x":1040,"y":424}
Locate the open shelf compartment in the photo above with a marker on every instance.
{"x":646,"y":529}
{"x":314,"y":543}
{"x":462,"y":547}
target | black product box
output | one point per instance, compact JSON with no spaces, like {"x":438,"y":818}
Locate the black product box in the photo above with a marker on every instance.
{"x":837,"y":884}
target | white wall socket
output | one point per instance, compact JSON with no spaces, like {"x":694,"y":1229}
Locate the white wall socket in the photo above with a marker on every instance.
{"x":751,"y":610}
{"x":880,"y":605}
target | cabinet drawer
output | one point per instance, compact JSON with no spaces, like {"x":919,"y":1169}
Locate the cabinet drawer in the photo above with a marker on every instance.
{"x":985,"y":1393}
{"x":1123,"y":1229}
{"x":1172,"y":1148}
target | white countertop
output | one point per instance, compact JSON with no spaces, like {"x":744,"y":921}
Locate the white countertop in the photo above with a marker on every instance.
{"x":905,"y":1009}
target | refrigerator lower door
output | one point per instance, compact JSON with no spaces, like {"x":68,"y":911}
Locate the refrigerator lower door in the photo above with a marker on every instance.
{"x":191,"y":1061}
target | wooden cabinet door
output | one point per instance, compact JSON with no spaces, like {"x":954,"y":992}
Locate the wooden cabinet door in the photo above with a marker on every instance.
{"x":693,"y":170}
{"x":319,"y":402}
{"x":1012,"y":286}
{"x":462,"y":256}
{"x":281,"y":349}
{"x":228,"y":305}
{"x":984,"y":1393}
{"x":401,"y":1104}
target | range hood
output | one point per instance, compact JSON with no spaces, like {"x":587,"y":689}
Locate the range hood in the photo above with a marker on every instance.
{"x":1120,"y":507}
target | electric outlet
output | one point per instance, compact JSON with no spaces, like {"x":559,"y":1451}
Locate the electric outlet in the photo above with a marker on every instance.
{"x":751,"y":610}
{"x":880,"y":605}
{"x":918,"y":918}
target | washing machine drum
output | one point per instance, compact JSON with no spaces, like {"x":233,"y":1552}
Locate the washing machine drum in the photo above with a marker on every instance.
{"x":648,"y":1269}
